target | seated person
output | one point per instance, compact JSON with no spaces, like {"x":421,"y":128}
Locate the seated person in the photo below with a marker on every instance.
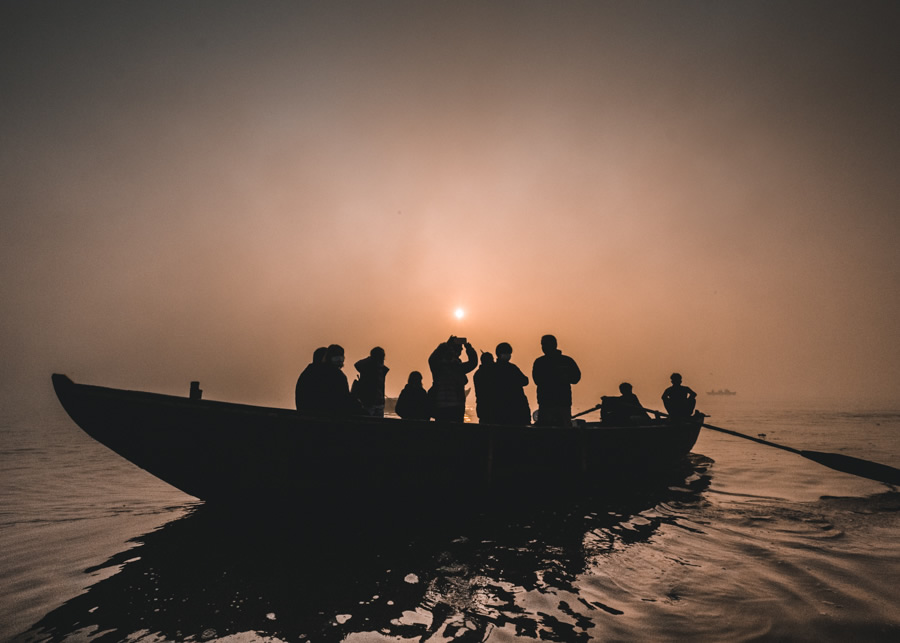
{"x":679,"y":400}
{"x":413,"y":401}
{"x":626,"y":409}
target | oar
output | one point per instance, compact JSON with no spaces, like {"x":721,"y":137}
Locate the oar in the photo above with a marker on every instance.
{"x":578,"y":415}
{"x":837,"y":461}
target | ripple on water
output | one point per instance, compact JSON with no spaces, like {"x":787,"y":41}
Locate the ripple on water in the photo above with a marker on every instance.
{"x":730,"y":551}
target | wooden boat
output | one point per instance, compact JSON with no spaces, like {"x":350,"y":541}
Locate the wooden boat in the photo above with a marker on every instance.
{"x":223,"y":452}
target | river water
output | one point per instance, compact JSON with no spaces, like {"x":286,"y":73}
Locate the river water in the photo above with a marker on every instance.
{"x":745,"y":542}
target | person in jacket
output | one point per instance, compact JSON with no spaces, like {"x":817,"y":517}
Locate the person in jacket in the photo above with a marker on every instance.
{"x":325,"y":390}
{"x":306,"y":392}
{"x":625,"y":409}
{"x":554,"y":374}
{"x":448,"y":378}
{"x":484,"y":380}
{"x":413,"y":401}
{"x":369,"y":388}
{"x":510,"y":402}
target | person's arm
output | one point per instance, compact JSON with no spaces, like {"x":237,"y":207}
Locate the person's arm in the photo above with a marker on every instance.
{"x":574,"y":372}
{"x":435,"y":358}
{"x":522,"y":378}
{"x":636,"y":407}
{"x":471,"y":358}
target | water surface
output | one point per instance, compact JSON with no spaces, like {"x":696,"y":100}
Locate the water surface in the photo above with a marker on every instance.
{"x":745,"y":542}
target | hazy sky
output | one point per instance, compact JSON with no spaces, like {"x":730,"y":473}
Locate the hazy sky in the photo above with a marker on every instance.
{"x":211,"y":190}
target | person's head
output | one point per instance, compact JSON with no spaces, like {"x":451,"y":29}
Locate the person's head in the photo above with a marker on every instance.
{"x":415,"y":378}
{"x":676,"y":378}
{"x":625,"y":388}
{"x":334,"y":355}
{"x":377,"y":353}
{"x":319,"y":355}
{"x":487,"y":358}
{"x":548,"y":344}
{"x":504,"y":352}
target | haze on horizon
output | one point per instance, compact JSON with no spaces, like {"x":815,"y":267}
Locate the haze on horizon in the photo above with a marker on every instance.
{"x":209,"y":191}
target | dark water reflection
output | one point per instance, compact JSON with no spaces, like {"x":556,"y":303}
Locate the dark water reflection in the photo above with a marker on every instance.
{"x":454,"y":575}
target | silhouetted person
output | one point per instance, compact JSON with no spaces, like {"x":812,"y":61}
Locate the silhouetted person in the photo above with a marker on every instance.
{"x":511,"y":404}
{"x":413,"y":401}
{"x":623,"y":410}
{"x":554,"y":374}
{"x":678,"y":399}
{"x":307,"y":391}
{"x":448,"y":378}
{"x":369,"y":389}
{"x":486,"y":390}
{"x":330,"y":393}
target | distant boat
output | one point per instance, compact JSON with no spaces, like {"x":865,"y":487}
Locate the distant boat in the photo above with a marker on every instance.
{"x":721,"y":391}
{"x":235,"y":453}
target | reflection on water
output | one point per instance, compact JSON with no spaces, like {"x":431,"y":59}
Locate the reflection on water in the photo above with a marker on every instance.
{"x":287,"y":576}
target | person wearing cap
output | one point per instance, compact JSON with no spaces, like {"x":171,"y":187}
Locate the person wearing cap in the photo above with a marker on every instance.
{"x":511,"y":404}
{"x":554,"y":374}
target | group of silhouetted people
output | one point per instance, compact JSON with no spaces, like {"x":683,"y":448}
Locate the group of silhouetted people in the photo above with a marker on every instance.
{"x":323,"y":388}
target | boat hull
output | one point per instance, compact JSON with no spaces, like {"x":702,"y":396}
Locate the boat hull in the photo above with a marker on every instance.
{"x":222,"y":452}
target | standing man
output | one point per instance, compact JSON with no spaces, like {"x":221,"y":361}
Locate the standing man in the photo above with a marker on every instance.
{"x":308,"y":391}
{"x":554,"y":374}
{"x":510,"y":383}
{"x":370,"y":386}
{"x":485,"y":381}
{"x":448,"y":378}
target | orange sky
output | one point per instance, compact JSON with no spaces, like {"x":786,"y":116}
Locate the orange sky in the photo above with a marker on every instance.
{"x":212,"y":190}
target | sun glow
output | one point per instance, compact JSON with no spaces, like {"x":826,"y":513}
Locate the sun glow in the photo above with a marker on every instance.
{"x":459,"y":313}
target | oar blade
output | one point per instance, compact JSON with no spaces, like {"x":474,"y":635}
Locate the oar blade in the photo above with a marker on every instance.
{"x":856,"y":466}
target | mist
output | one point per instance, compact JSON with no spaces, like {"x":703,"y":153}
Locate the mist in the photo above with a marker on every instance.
{"x":210,"y":192}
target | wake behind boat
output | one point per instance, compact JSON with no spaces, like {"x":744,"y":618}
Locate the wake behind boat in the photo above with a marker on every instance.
{"x":223,"y":452}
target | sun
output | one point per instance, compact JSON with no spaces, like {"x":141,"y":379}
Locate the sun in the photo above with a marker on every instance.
{"x":459,"y":313}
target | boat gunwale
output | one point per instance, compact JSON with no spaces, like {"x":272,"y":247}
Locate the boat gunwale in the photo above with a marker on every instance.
{"x":67,"y":388}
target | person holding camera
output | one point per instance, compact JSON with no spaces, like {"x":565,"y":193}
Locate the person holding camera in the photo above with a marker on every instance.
{"x":448,"y":378}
